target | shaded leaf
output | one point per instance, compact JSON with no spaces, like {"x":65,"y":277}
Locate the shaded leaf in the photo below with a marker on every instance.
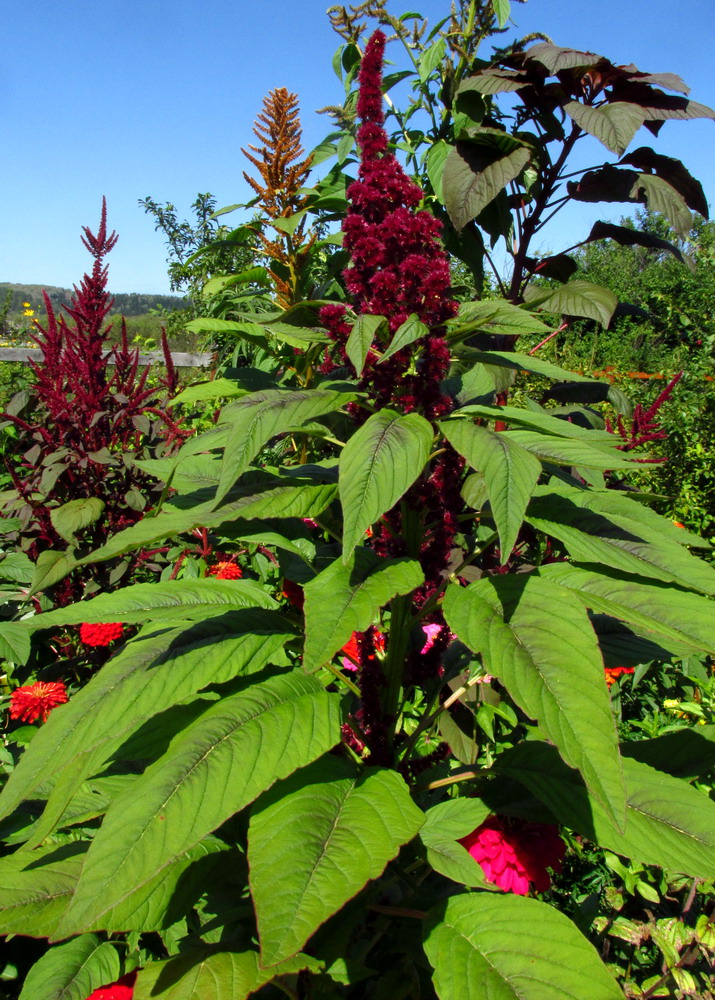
{"x":321,"y":835}
{"x":672,"y":171}
{"x":73,"y":970}
{"x":631,"y":237}
{"x":75,"y":515}
{"x":539,"y":642}
{"x":37,"y":887}
{"x":345,"y":598}
{"x":476,"y":171}
{"x":660,"y":196}
{"x":237,"y":749}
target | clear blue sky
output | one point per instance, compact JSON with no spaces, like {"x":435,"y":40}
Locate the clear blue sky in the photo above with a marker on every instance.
{"x":129,"y":99}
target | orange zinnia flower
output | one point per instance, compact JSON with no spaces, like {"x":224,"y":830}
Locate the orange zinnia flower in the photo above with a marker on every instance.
{"x":225,"y":570}
{"x":100,"y":634}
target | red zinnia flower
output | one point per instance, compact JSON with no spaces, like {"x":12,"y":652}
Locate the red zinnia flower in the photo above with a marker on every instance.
{"x":36,"y":701}
{"x":613,"y":673}
{"x":514,"y":854}
{"x":225,"y":570}
{"x":352,"y":648}
{"x":123,"y":989}
{"x":100,"y":634}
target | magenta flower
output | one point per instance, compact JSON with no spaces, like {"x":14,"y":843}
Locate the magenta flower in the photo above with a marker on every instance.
{"x":516,"y":855}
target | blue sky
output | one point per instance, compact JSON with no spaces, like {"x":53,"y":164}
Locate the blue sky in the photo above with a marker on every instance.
{"x":129,"y":99}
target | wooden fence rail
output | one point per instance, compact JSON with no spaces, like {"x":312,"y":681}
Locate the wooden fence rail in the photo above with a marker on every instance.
{"x":181,"y":360}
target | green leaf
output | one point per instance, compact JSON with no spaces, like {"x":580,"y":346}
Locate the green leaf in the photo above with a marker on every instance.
{"x":304,"y":500}
{"x":167,"y":601}
{"x":73,"y":970}
{"x":37,"y":887}
{"x":218,"y":388}
{"x":410,"y":331}
{"x":15,"y":642}
{"x":683,"y":753}
{"x":662,"y":197}
{"x":213,"y":975}
{"x":502,"y":9}
{"x":431,"y":58}
{"x":16,"y":566}
{"x":495,"y":316}
{"x":672,"y":171}
{"x":613,"y":124}
{"x":363,"y":333}
{"x":495,"y":80}
{"x":72,"y":517}
{"x":377,"y":466}
{"x":668,"y":822}
{"x":527,"y":363}
{"x":51,"y":566}
{"x":477,"y":171}
{"x":147,"y":677}
{"x":540,"y":644}
{"x":237,"y":749}
{"x":577,"y":298}
{"x":620,"y":543}
{"x":444,"y":825}
{"x":434,"y":164}
{"x":573,"y":451}
{"x":345,"y":598}
{"x":540,"y":420}
{"x":507,"y":947}
{"x":258,"y":417}
{"x":321,"y":835}
{"x":510,"y":474}
{"x":661,"y":608}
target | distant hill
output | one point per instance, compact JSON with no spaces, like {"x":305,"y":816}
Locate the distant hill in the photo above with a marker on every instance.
{"x":125,"y":303}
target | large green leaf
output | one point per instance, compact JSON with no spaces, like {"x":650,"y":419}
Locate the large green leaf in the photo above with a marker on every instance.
{"x":577,"y":298}
{"x":495,"y":316}
{"x":510,"y":474}
{"x":527,"y":363}
{"x":290,"y":500}
{"x":668,"y":822}
{"x":539,"y":642}
{"x":445,"y":824}
{"x":73,"y":970}
{"x":166,"y":601}
{"x":617,"y":542}
{"x":149,"y":676}
{"x":345,"y":598}
{"x":75,"y":515}
{"x":541,"y":420}
{"x":37,"y":887}
{"x":665,"y":610}
{"x":321,"y":835}
{"x":613,"y":124}
{"x":506,"y":947}
{"x":212,"y":975}
{"x":572,"y":451}
{"x":478,"y":170}
{"x":258,"y":417}
{"x":377,"y":466}
{"x":361,"y":337}
{"x":199,"y":392}
{"x":237,"y":749}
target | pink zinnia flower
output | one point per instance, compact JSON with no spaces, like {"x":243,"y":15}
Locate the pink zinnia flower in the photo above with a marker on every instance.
{"x":123,"y":989}
{"x":36,"y":701}
{"x":100,"y":634}
{"x":225,"y":570}
{"x":514,"y":854}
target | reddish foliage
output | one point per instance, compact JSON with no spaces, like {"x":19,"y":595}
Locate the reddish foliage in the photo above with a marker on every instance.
{"x":91,"y":409}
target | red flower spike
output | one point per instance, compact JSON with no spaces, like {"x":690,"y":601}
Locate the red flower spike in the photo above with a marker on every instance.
{"x":226,"y":571}
{"x":36,"y":701}
{"x":100,"y":634}
{"x":123,"y":989}
{"x":613,"y":673}
{"x":515,"y":855}
{"x":293,"y":594}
